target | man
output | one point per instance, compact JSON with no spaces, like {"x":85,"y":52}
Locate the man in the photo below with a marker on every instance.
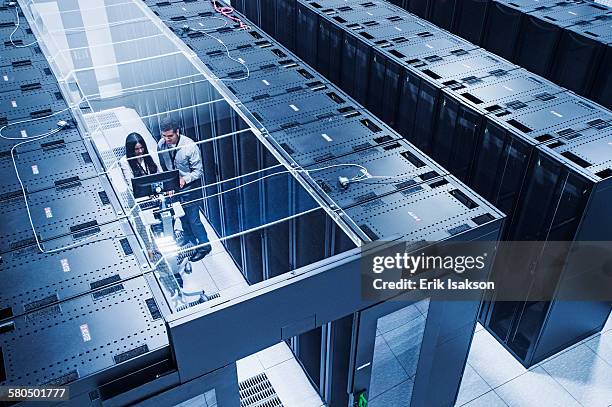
{"x":179,"y":152}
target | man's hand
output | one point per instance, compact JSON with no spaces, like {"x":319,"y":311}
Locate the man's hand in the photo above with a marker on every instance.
{"x":182,"y":182}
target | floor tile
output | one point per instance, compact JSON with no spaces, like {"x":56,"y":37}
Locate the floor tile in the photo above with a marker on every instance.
{"x":387,"y":372}
{"x":485,"y":349}
{"x":472,"y":386}
{"x":398,"y":396}
{"x":608,"y":326}
{"x":274,"y":355}
{"x":405,"y":343}
{"x":586,"y":376}
{"x":602,"y":346}
{"x":291,"y":383}
{"x":535,"y":388}
{"x":423,"y":306}
{"x":489,"y":399}
{"x":248,"y":367}
{"x":398,"y":318}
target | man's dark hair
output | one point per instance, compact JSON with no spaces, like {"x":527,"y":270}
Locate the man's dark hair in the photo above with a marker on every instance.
{"x":167,"y":124}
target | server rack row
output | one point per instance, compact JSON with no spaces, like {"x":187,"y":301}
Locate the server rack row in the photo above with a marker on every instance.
{"x":77,"y":289}
{"x":477,"y":115}
{"x":328,"y":134}
{"x":567,"y":42}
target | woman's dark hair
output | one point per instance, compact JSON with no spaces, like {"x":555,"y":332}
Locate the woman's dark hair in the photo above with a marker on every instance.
{"x":130,"y":151}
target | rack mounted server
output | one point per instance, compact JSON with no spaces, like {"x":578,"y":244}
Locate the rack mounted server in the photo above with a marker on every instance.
{"x":565,"y":41}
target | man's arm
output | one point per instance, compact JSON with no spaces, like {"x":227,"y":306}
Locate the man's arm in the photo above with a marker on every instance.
{"x":195,"y":164}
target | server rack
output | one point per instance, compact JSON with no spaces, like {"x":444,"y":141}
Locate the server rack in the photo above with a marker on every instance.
{"x":43,"y":101}
{"x":16,"y":132}
{"x":181,"y":10}
{"x":199,"y":41}
{"x":21,"y":37}
{"x":576,"y":170}
{"x":74,"y":207}
{"x":26,"y":79}
{"x":253,"y":59}
{"x":274,"y":82}
{"x":541,"y":30}
{"x":602,"y":86}
{"x":356,"y":54}
{"x":335,"y":137}
{"x":580,"y":55}
{"x":111,"y":256}
{"x":301,"y":107}
{"x":563,"y":115}
{"x":439,"y":210}
{"x":461,"y":137}
{"x":391,"y":167}
{"x":469,"y":18}
{"x":99,"y":344}
{"x":18,"y":57}
{"x":55,"y":164}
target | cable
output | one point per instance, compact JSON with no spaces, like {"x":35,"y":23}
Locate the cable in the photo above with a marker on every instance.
{"x":227,"y":51}
{"x":227,"y":12}
{"x":17,"y":27}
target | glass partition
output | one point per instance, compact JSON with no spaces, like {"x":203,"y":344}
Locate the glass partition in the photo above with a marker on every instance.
{"x":124,"y":73}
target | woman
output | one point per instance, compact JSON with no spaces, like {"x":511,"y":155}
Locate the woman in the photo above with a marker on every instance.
{"x":137,"y":161}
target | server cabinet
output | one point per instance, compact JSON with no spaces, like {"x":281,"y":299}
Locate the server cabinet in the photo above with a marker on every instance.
{"x":441,"y":13}
{"x":333,"y":138}
{"x":215,"y":42}
{"x":329,"y":41}
{"x":276,"y":82}
{"x":400,"y":88}
{"x":34,"y":104}
{"x":26,"y":79}
{"x":601,"y":91}
{"x":541,"y":30}
{"x":307,"y":22}
{"x":78,"y":208}
{"x":182,"y":10}
{"x":505,"y":16}
{"x":374,"y":173}
{"x":34,"y":279}
{"x":458,"y":139}
{"x":99,"y":345}
{"x":418,"y":7}
{"x":22,"y":37}
{"x":574,"y":175}
{"x":17,"y":132}
{"x":579,"y":54}
{"x":285,"y":22}
{"x":412,"y":213}
{"x":509,"y":137}
{"x":18,"y":57}
{"x":300,"y":108}
{"x":251,"y":60}
{"x":54,"y":165}
{"x":469,"y":19}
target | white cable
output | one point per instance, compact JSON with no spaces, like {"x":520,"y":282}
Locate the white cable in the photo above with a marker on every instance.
{"x":227,"y":51}
{"x":16,"y":27}
{"x":31,"y":120}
